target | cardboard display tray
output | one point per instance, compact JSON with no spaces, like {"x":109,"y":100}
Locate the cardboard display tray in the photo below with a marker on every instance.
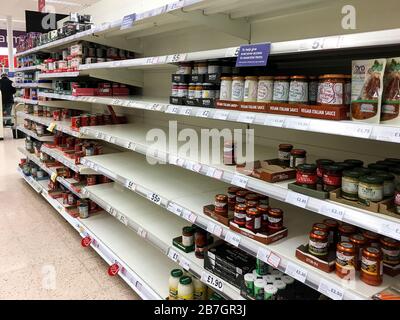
{"x":392,"y":271}
{"x":209,"y":211}
{"x":267,"y":170}
{"x":319,"y":194}
{"x":177,"y":242}
{"x":265,"y":238}
{"x":307,"y":111}
{"x":327,"y":264}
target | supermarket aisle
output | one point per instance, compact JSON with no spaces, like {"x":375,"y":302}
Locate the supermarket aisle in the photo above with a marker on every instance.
{"x":40,"y":254}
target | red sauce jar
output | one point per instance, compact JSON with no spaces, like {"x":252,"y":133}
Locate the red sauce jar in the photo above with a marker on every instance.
{"x":275,"y":220}
{"x":284,"y":154}
{"x":320,"y":168}
{"x":345,"y":231}
{"x":320,"y":227}
{"x":239,"y":216}
{"x":253,"y":219}
{"x":391,"y":251}
{"x":241,"y":196}
{"x":332,"y":177}
{"x":232,"y":197}
{"x":263,"y":210}
{"x":221,"y":205}
{"x":76,"y":122}
{"x":359,"y":242}
{"x":93,"y":120}
{"x":200,"y":240}
{"x":372,"y":238}
{"x":371,"y":266}
{"x":306,"y":176}
{"x":333,"y":226}
{"x":91,"y":180}
{"x":297,"y":156}
{"x":251,"y":198}
{"x":345,"y":259}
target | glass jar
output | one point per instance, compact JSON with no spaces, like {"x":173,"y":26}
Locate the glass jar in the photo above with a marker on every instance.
{"x":345,"y":259}
{"x":199,"y":289}
{"x":182,"y":90}
{"x":312,"y":89}
{"x":250,"y":89}
{"x":239,"y":216}
{"x":347,"y":90}
{"x":350,"y":182}
{"x":263,"y":210}
{"x":241,"y":196}
{"x":221,"y":205}
{"x":345,"y":231}
{"x":391,"y":251}
{"x":370,"y":189}
{"x":265,"y":89}
{"x":388,"y":184}
{"x":332,"y":177}
{"x":275,"y":220}
{"x":263,"y":199}
{"x":225,"y":88}
{"x":214,"y":66}
{"x":232,"y":197}
{"x":359,"y":242}
{"x":200,"y":240}
{"x":371,"y":266}
{"x":174,"y":277}
{"x":396,"y":172}
{"x":202,"y":67}
{"x":208,"y":91}
{"x":372,"y":238}
{"x":251,"y":197}
{"x":333,"y":226}
{"x":331,"y":89}
{"x":318,"y":243}
{"x":237,"y":89}
{"x":253,"y":220}
{"x":192,"y":90}
{"x":281,"y":89}
{"x":185,"y":288}
{"x":397,"y":200}
{"x":320,"y":168}
{"x":320,"y":227}
{"x":306,"y":176}
{"x":298,"y":90}
{"x":198,"y":91}
{"x":187,"y":236}
{"x":354,"y":162}
{"x":297,"y":156}
{"x":284,"y":154}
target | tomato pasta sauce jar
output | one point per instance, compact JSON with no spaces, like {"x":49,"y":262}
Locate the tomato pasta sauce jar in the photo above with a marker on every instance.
{"x":332,"y":177}
{"x":320,"y":168}
{"x":275,"y":220}
{"x":284,"y":154}
{"x":333,"y":226}
{"x":371,"y":266}
{"x":345,"y":231}
{"x":253,"y":220}
{"x":359,"y":242}
{"x":373,"y":239}
{"x":263,"y":210}
{"x":239,"y":216}
{"x":306,"y":176}
{"x":331,"y":90}
{"x":345,"y":259}
{"x":297,"y":156}
{"x":221,"y":204}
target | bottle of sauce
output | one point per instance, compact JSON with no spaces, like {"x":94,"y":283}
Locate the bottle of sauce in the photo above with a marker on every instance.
{"x":345,"y":259}
{"x":371,"y":266}
{"x":174,"y":277}
{"x":185,"y":288}
{"x":199,"y":289}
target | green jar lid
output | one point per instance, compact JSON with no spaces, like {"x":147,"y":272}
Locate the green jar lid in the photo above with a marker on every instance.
{"x":308,"y":167}
{"x":324,"y":162}
{"x":216,"y":296}
{"x":188,"y":230}
{"x":185,"y":280}
{"x":344,"y":165}
{"x":363,"y":171}
{"x":395,"y":160}
{"x":371,"y":179}
{"x":385,"y":175}
{"x":375,"y":166}
{"x":177,"y":273}
{"x":334,"y":167}
{"x":354,"y":162}
{"x":352,"y":173}
{"x":387,"y":163}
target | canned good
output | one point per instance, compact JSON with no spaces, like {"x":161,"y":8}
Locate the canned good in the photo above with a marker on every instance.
{"x":91,"y":180}
{"x":76,"y":122}
{"x":83,"y":209}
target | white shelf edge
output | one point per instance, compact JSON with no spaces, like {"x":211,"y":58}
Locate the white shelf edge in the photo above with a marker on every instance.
{"x":23,"y":69}
{"x":34,"y":135}
{"x":27,"y":101}
{"x":33,"y":183}
{"x":72,"y":74}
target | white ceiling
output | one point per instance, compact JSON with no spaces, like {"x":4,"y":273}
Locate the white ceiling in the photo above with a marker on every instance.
{"x":16,"y":9}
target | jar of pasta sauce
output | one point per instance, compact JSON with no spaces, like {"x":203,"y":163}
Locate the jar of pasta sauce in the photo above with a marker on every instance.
{"x":320,"y":168}
{"x":275,"y":220}
{"x":298,"y":90}
{"x":372,"y":238}
{"x":359,"y":242}
{"x":355,"y":162}
{"x":388,"y":184}
{"x":221,"y":204}
{"x":237,"y":89}
{"x":239,"y":216}
{"x":253,"y":219}
{"x":332,"y":177}
{"x":225,"y":88}
{"x":191,"y":90}
{"x":345,"y":259}
{"x":333,"y":226}
{"x":391,"y":251}
{"x":312,"y":89}
{"x":320,"y":227}
{"x":241,"y":196}
{"x":331,"y":89}
{"x":345,"y":231}
{"x":250,"y":199}
{"x":284,"y":154}
{"x":371,"y":266}
{"x":250,"y":89}
{"x":263,"y":210}
{"x":350,"y":181}
{"x":347,"y":90}
{"x":318,"y":244}
{"x":370,"y":189}
{"x":232,"y":197}
{"x":297,"y":156}
{"x":397,"y":200}
{"x":306,"y":176}
{"x":281,"y":89}
{"x":265,"y":89}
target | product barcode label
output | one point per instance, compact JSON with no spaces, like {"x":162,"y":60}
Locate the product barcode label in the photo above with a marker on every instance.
{"x":240,"y":180}
{"x":212,"y":280}
{"x":333,"y":211}
{"x":331,"y":290}
{"x":263,"y":254}
{"x":274,"y":260}
{"x":297,"y":199}
{"x":154,"y":197}
{"x":173,"y":255}
{"x":233,"y":238}
{"x":296,"y":272}
{"x":221,"y":114}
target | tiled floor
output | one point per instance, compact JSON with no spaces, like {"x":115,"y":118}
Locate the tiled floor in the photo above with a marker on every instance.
{"x":40,"y":253}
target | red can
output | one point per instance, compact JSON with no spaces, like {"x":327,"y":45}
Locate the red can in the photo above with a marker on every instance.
{"x":76,"y":122}
{"x":71,"y":199}
{"x":56,"y":115}
{"x":91,"y":180}
{"x":64,"y":114}
{"x":93,"y":120}
{"x":85,"y":120}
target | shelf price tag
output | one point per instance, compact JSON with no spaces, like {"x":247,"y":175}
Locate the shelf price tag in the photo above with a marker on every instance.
{"x":185,"y":111}
{"x":333,"y":211}
{"x":391,"y":229}
{"x":331,"y":290}
{"x":218,"y":231}
{"x":172,"y":109}
{"x":210,"y":227}
{"x":127,"y":21}
{"x":180,"y":162}
{"x":173,"y":207}
{"x":297,"y":123}
{"x":141,"y":232}
{"x":212,"y":281}
{"x":130,"y":185}
{"x":51,"y":127}
{"x":131,"y":145}
{"x":154,"y":198}
{"x":391,"y":134}
{"x":246,"y":117}
{"x":240,"y":180}
{"x":274,"y":260}
{"x":221,"y":114}
{"x":214,"y":173}
{"x":203,"y":113}
{"x":263,"y":254}
{"x":178,"y":57}
{"x":112,"y":211}
{"x":296,"y":272}
{"x":173,"y":255}
{"x":233,"y":238}
{"x":274,"y":121}
{"x":184,"y":263}
{"x":359,"y":131}
{"x":123,"y":219}
{"x":297,"y":199}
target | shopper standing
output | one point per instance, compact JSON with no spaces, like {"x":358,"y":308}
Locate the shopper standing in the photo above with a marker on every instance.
{"x":7,"y":95}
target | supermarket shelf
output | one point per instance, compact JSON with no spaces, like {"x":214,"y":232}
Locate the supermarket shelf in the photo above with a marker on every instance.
{"x":59,"y":75}
{"x":32,"y":182}
{"x":26,"y":101}
{"x":133,"y":137}
{"x":33,"y":85}
{"x":24,"y":69}
{"x":342,"y":128}
{"x":152,"y":223}
{"x":70,"y":163}
{"x":63,"y":126}
{"x":171,"y":187}
{"x":65,"y":182}
{"x":34,"y":135}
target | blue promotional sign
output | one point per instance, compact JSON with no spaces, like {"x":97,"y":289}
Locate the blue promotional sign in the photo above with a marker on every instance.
{"x":128,"y":21}
{"x":253,"y":55}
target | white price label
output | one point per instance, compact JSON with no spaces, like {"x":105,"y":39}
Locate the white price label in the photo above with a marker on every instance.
{"x":189,"y":165}
{"x":274,"y":260}
{"x":203,"y":113}
{"x":210,"y":227}
{"x":184,"y":263}
{"x":232,"y":52}
{"x":297,"y":123}
{"x":155,"y":107}
{"x":173,"y":255}
{"x":154,"y":197}
{"x":390,"y":229}
{"x":175,"y":5}
{"x":112,"y":211}
{"x":296,"y":272}
{"x":240,"y":180}
{"x":263,"y":254}
{"x":186,"y":111}
{"x":173,"y":160}
{"x":387,"y":134}
{"x":212,"y":281}
{"x":176,"y":57}
{"x":123,"y":219}
{"x":192,"y":217}
{"x":180,"y":162}
{"x":197,"y":167}
{"x":233,"y":238}
{"x":331,"y":290}
{"x":333,"y":211}
{"x":221,"y":114}
{"x":321,"y":43}
{"x":297,"y":199}
{"x":99,"y":135}
{"x":359,"y":131}
{"x":218,"y":174}
{"x":130,"y":145}
{"x":141,"y":232}
{"x":173,"y":207}
{"x":186,"y":214}
{"x":172,"y":109}
{"x":246,"y":117}
{"x":274,"y":121}
{"x":217,"y":231}
{"x":210,"y":172}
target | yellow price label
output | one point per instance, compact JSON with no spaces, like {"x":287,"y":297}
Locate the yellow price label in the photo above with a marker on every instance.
{"x":53,"y":176}
{"x":51,"y":127}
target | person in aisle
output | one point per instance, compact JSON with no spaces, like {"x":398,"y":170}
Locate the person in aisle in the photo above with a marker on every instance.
{"x":7,"y":96}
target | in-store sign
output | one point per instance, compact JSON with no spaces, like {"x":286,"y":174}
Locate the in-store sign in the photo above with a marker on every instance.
{"x":296,"y":272}
{"x":154,"y":197}
{"x":297,"y":199}
{"x":212,"y":281}
{"x":253,"y":55}
{"x":128,"y":21}
{"x":331,"y":290}
{"x":86,"y":241}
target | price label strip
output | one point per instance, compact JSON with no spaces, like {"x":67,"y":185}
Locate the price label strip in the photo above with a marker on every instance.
{"x":173,"y":255}
{"x":263,"y":254}
{"x":246,"y":117}
{"x":274,"y":121}
{"x":240,"y":180}
{"x":331,"y":290}
{"x":233,"y":238}
{"x":173,"y":207}
{"x":221,"y":114}
{"x":274,"y":260}
{"x":203,"y":113}
{"x":212,"y":280}
{"x":333,"y":211}
{"x":184,"y":263}
{"x":296,"y":272}
{"x":297,"y":199}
